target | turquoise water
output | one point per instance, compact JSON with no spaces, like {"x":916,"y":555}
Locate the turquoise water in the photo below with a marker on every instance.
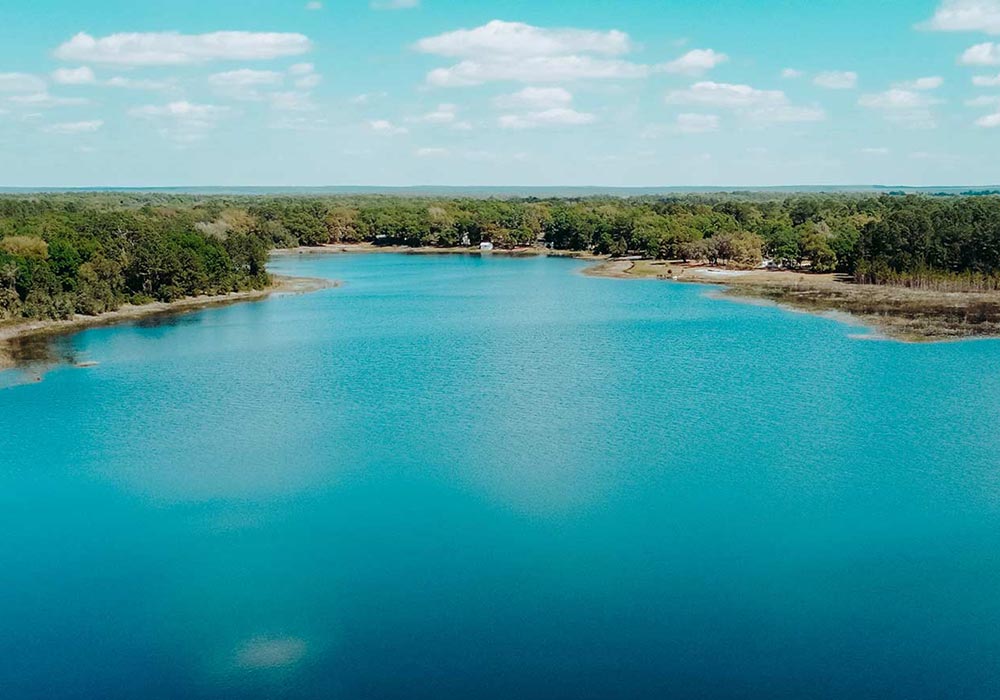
{"x":464,"y":477}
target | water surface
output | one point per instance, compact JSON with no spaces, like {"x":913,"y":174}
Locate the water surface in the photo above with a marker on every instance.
{"x":459,"y":477}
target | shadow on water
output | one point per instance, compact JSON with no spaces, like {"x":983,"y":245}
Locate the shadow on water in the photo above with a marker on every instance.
{"x":26,"y":359}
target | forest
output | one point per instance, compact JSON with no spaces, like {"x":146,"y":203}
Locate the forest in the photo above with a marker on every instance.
{"x":86,"y":253}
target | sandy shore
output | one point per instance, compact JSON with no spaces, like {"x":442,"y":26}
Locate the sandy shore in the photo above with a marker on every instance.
{"x":15,"y":337}
{"x":912,"y":315}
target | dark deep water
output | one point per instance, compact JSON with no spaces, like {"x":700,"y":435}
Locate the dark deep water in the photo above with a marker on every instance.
{"x":464,"y":477}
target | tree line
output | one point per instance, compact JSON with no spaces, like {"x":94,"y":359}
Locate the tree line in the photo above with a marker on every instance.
{"x":87,"y":253}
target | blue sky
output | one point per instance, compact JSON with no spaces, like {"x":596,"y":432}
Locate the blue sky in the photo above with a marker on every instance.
{"x":510,"y":92}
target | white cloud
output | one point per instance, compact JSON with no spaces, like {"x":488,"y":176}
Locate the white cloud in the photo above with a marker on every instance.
{"x":444,"y":114}
{"x":430,"y":152}
{"x":836,"y":80}
{"x":516,"y":39}
{"x":75,"y":127}
{"x":21,"y":82}
{"x":394,"y":4}
{"x":783,"y":114}
{"x":141,"y":84}
{"x":514,"y":51}
{"x":314,"y":5}
{"x":966,"y":16}
{"x":384,"y":126}
{"x":74,"y":76}
{"x":697,"y":123}
{"x":557,"y":116}
{"x":986,"y":80}
{"x":791,"y":73}
{"x":44,"y":100}
{"x":305,"y":76}
{"x":764,"y":106}
{"x":907,"y":107}
{"x":538,"y":69}
{"x":182,"y":121}
{"x":245,"y":77}
{"x":929,"y":83}
{"x":535,"y":98}
{"x":877,"y":151}
{"x":981,"y":55}
{"x":724,"y":95}
{"x":696,"y":62}
{"x":990,"y":121}
{"x":174,"y":48}
{"x":984,"y":101}
{"x":245,"y":83}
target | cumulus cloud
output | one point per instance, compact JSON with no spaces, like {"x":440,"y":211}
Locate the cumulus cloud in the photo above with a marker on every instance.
{"x":689,"y":123}
{"x":791,"y":73}
{"x":394,"y":4}
{"x":21,"y":82}
{"x":515,"y":39}
{"x":763,"y":106}
{"x":907,"y":107}
{"x":696,"y":62}
{"x":547,"y":69}
{"x":984,"y":101}
{"x":876,"y":151}
{"x":929,"y":83}
{"x":304,"y":76}
{"x":75,"y":127}
{"x":386,"y":127}
{"x":43,"y":100}
{"x":535,"y":98}
{"x":141,"y":83}
{"x":174,"y":48}
{"x":986,"y":80}
{"x":990,"y":121}
{"x":260,"y":85}
{"x":987,"y":54}
{"x":182,"y":121}
{"x":245,"y":77}
{"x":314,"y":5}
{"x":514,"y":51}
{"x":836,"y":80}
{"x":444,"y":114}
{"x":74,"y":76}
{"x":557,"y":116}
{"x":965,"y":16}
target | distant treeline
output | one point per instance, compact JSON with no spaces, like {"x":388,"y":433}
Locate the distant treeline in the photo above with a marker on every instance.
{"x":88,"y":253}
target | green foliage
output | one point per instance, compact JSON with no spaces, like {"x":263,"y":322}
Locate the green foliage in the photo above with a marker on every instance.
{"x":91,"y":252}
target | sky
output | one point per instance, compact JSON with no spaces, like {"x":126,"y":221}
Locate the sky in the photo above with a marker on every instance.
{"x":637,"y":93}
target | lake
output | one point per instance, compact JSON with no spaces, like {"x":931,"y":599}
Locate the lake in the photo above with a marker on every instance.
{"x":486,"y":477}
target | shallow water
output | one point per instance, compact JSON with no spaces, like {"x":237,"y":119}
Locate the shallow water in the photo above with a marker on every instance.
{"x":489,"y":477}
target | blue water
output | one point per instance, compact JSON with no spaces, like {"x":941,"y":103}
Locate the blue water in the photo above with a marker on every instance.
{"x":464,"y":477}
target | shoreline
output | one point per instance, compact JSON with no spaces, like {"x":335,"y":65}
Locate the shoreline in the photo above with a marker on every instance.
{"x":14,"y":334}
{"x":370,"y":249}
{"x":896,"y":313}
